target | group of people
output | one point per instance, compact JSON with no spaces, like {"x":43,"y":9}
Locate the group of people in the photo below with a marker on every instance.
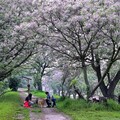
{"x":50,"y":100}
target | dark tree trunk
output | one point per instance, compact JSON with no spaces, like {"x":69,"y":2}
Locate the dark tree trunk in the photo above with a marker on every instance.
{"x":77,"y":91}
{"x":63,"y":94}
{"x":86,"y":79}
{"x":119,"y":99}
{"x":102,"y":81}
{"x":97,"y":69}
{"x":59,"y":92}
{"x":39,"y":85}
{"x":103,"y":87}
{"x":113,"y":83}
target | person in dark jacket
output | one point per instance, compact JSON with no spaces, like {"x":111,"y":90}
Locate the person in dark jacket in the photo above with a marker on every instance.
{"x":53,"y":101}
{"x":48,"y":99}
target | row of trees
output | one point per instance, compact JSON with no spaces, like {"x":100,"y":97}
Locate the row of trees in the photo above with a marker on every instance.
{"x":80,"y":34}
{"x":15,"y":47}
{"x":86,"y":33}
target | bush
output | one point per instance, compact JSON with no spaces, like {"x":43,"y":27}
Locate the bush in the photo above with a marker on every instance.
{"x":113,"y":105}
{"x":72,"y":104}
{"x":14,"y":83}
{"x":98,"y":106}
{"x":3,"y":86}
{"x":61,"y":99}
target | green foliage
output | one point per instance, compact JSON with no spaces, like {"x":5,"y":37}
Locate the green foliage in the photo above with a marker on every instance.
{"x":83,"y":110}
{"x":42,"y":94}
{"x":14,"y":83}
{"x":73,"y":82}
{"x":36,"y":110}
{"x":97,"y":106}
{"x":62,"y":98}
{"x":3,"y":86}
{"x":74,"y":104}
{"x":113,"y":105}
{"x":39,"y":94}
{"x":10,"y":107}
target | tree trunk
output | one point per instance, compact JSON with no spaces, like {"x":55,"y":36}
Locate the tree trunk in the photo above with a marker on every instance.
{"x":86,"y":79}
{"x":103,"y":88}
{"x":102,"y":79}
{"x":110,"y":92}
{"x":63,"y":95}
{"x":77,"y":91}
{"x":59,"y":92}
{"x":97,"y":68}
{"x":39,"y":85}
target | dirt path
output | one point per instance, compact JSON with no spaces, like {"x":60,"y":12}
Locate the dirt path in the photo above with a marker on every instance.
{"x":53,"y":114}
{"x":34,"y":115}
{"x":46,"y":114}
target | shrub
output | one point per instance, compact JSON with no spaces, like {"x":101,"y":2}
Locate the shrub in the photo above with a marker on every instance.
{"x":74,"y":104}
{"x":3,"y":86}
{"x":14,"y":83}
{"x":113,"y":105}
{"x":98,"y":106}
{"x":61,"y":99}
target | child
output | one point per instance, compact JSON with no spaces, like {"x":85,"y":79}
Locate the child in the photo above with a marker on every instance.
{"x":28,"y":102}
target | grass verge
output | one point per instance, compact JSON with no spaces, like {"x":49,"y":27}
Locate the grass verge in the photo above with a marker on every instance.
{"x":10,"y":108}
{"x":81,"y":110}
{"x":42,"y":94}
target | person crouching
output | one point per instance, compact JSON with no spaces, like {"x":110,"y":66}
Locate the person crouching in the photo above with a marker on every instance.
{"x":28,"y":101}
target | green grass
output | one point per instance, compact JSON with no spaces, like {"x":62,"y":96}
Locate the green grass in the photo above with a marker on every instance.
{"x":39,"y":94}
{"x":42,"y":94}
{"x":10,"y":107}
{"x":36,"y":110}
{"x":81,"y":110}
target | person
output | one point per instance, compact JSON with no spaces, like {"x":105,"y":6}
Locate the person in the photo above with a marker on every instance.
{"x":48,"y":99}
{"x":28,"y":101}
{"x":53,"y":101}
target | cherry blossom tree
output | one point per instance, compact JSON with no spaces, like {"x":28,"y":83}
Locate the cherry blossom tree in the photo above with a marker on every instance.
{"x":80,"y":30}
{"x":39,"y":68}
{"x":16,"y":45}
{"x":81,"y":33}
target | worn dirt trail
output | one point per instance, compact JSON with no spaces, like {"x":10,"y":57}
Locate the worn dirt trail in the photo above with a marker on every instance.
{"x":46,"y":114}
{"x":53,"y":114}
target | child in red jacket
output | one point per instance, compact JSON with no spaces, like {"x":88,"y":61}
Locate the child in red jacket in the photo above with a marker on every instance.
{"x":28,"y":102}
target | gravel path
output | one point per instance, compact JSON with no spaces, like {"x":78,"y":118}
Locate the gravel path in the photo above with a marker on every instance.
{"x":53,"y":114}
{"x":46,"y":114}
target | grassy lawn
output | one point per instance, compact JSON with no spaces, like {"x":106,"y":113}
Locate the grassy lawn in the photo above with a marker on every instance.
{"x":42,"y":94}
{"x":93,"y":115}
{"x":39,"y":94}
{"x":10,"y":108}
{"x":81,"y":110}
